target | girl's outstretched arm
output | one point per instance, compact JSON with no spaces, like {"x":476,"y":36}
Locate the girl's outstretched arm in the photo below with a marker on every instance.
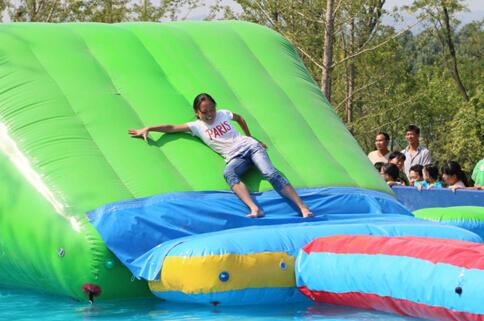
{"x":241,"y":121}
{"x":143,"y":132}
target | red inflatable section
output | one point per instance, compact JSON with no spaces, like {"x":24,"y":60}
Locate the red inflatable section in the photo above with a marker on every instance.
{"x":458,"y":253}
{"x":388,"y":304}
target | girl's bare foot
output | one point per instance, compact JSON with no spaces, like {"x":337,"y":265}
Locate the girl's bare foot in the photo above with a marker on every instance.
{"x":306,"y":212}
{"x":255,"y":213}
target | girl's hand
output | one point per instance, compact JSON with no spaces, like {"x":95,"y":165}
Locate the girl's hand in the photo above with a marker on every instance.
{"x":419,"y":187}
{"x":454,"y":188}
{"x":139,"y":132}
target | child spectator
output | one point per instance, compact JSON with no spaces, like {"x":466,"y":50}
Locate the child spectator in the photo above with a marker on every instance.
{"x":416,"y":176}
{"x":390,"y":174}
{"x":378,"y":166}
{"x":453,"y":175}
{"x":431,"y":176}
{"x":398,"y":159}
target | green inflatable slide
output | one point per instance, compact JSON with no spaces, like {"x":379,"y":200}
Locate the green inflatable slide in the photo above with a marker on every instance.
{"x":70,"y":92}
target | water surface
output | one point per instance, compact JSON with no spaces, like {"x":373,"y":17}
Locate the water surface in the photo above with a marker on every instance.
{"x":26,"y":306}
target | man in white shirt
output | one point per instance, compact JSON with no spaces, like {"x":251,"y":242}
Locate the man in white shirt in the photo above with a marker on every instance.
{"x":414,"y":153}
{"x":381,"y":153}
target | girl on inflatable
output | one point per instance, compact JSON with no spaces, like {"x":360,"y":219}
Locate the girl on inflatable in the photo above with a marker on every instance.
{"x":240,"y":152}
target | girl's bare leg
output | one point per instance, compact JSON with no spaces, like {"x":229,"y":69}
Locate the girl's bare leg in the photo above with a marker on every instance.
{"x":240,"y":189}
{"x":289,"y":192}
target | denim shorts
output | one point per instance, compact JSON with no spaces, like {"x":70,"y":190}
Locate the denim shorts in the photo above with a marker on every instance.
{"x":253,"y":154}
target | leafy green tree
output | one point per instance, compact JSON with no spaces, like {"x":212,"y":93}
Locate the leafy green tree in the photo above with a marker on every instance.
{"x":465,"y":140}
{"x":69,"y":10}
{"x":439,"y":101}
{"x":145,"y":10}
{"x":382,"y":98}
{"x":36,"y":10}
{"x":3,"y":7}
{"x":470,"y":48}
{"x":108,"y":11}
{"x":440,"y":14}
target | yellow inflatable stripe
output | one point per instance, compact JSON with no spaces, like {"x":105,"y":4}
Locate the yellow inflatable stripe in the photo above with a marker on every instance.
{"x":201,"y":274}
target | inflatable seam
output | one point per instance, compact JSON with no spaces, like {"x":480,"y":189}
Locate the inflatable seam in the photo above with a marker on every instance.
{"x":80,"y":121}
{"x":29,"y":48}
{"x":253,"y":120}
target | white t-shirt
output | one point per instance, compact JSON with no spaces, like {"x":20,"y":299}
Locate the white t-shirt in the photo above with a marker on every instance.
{"x":375,"y":157}
{"x":221,"y":136}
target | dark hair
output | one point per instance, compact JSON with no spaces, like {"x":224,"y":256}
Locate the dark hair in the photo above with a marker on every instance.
{"x":452,"y":168}
{"x":391,"y":170}
{"x":378,"y":166}
{"x":413,"y":128}
{"x":397,"y":155}
{"x":417,"y":169}
{"x":200,"y":98}
{"x":387,"y":137}
{"x":433,"y":171}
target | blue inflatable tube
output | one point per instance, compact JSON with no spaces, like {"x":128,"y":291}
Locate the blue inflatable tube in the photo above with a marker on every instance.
{"x":414,"y":200}
{"x":133,"y":227}
{"x":199,"y":247}
{"x":421,"y":277}
{"x":255,"y":265}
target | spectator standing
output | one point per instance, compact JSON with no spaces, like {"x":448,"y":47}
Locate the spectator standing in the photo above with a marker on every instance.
{"x":381,"y":153}
{"x":414,"y":153}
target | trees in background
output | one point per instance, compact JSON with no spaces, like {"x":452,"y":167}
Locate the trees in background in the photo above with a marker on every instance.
{"x":108,"y":11}
{"x":3,"y":5}
{"x":381,"y":79}
{"x":440,"y":15}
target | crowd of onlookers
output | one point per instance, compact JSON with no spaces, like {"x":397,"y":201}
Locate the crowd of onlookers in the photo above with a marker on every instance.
{"x":413,"y":165}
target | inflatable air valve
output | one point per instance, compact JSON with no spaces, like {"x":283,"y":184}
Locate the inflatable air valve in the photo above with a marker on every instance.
{"x":92,"y":291}
{"x":283,"y":265}
{"x":109,"y":264}
{"x":224,"y":276}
